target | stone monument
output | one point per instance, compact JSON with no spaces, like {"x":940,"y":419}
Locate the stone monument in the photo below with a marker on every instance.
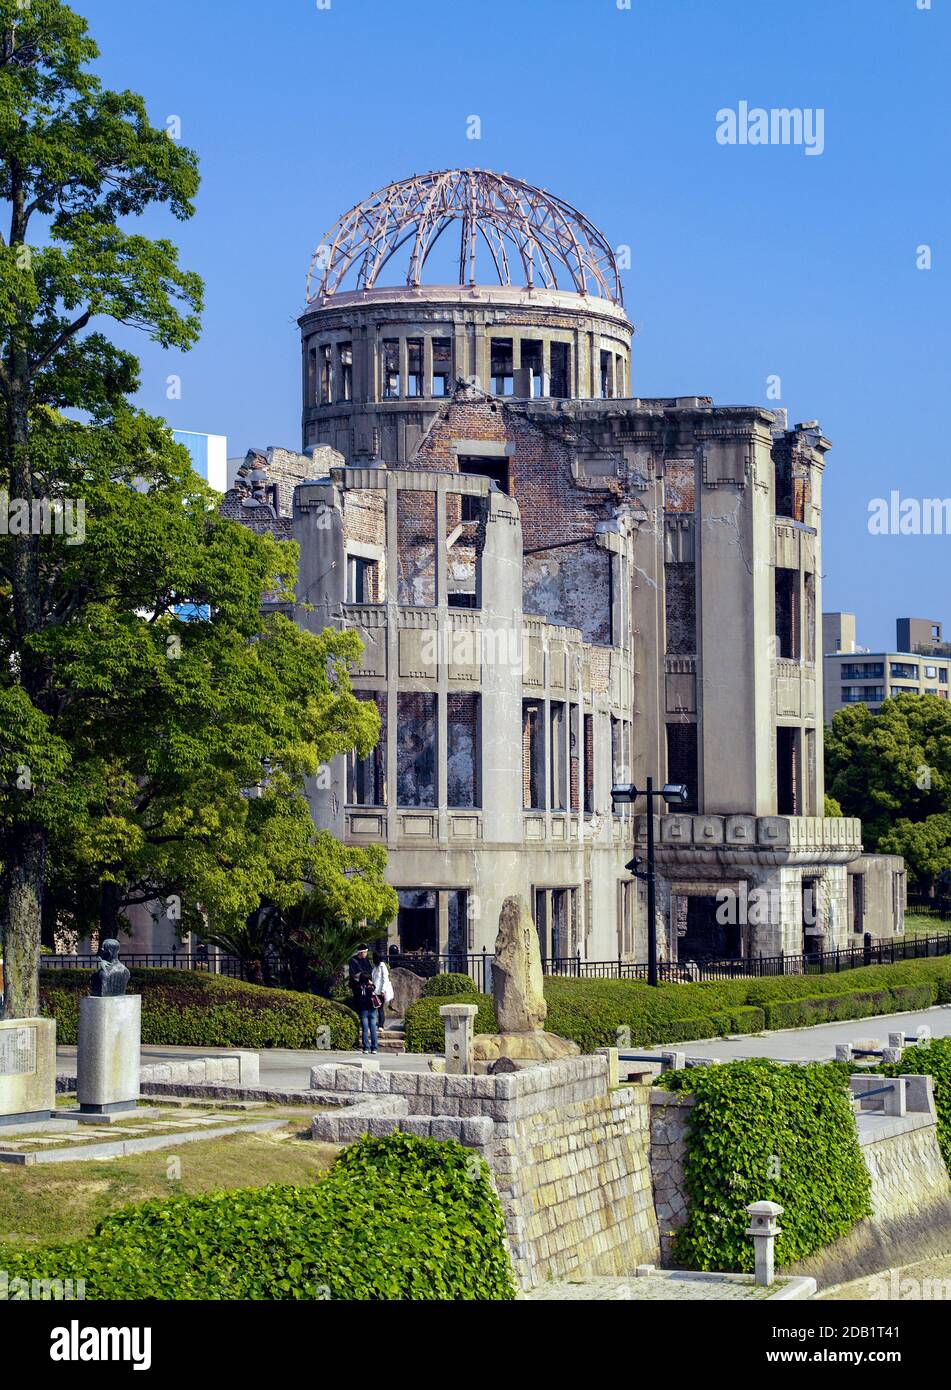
{"x":27,"y":1070}
{"x":517,"y":986}
{"x":110,"y":1038}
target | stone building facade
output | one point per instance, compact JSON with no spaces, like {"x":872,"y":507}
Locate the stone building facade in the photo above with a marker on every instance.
{"x":559,"y":586}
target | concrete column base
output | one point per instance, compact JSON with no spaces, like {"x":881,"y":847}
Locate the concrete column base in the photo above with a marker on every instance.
{"x":108,"y":1053}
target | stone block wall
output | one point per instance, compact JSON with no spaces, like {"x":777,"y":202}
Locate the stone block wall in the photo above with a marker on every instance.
{"x":569,"y":1156}
{"x":669,"y":1117}
{"x":910,"y":1191}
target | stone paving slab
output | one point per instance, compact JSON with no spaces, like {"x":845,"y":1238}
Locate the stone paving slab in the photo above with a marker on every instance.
{"x":673,"y":1285}
{"x":113,"y":1147}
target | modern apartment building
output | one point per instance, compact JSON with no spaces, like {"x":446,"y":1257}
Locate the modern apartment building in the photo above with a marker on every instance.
{"x":853,"y":675}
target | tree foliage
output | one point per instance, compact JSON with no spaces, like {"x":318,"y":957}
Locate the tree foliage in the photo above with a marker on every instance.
{"x":893,"y":769}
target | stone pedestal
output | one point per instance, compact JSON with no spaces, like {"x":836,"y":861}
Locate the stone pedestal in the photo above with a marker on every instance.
{"x":108,"y":1053}
{"x":458,"y":1023}
{"x":27,"y":1069}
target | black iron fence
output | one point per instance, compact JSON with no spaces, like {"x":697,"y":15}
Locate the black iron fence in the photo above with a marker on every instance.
{"x":478,"y":964}
{"x":171,"y":960}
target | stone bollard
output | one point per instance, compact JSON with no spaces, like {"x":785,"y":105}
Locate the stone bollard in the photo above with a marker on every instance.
{"x":614,"y":1075}
{"x":764,"y":1229}
{"x":843,"y":1052}
{"x":892,"y":1055}
{"x":673,"y":1061}
{"x":459,"y":1023}
{"x":896,"y":1100}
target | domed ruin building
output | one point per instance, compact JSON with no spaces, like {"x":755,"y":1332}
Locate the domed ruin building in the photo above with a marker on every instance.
{"x":559,"y":585}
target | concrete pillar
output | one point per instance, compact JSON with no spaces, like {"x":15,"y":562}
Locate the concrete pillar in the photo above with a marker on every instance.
{"x":459,"y":1024}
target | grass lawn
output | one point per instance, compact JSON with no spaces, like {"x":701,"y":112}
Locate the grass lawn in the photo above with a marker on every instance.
{"x":925,"y":924}
{"x":49,"y":1203}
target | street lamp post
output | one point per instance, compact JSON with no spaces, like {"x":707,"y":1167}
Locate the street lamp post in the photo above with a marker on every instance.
{"x":624,"y":794}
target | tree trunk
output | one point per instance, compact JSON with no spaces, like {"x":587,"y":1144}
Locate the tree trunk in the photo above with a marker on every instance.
{"x":21,"y":943}
{"x":109,"y":905}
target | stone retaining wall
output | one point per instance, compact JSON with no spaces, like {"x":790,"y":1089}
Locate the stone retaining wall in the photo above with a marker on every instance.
{"x":910,"y":1191}
{"x":568,"y":1155}
{"x":669,"y":1116}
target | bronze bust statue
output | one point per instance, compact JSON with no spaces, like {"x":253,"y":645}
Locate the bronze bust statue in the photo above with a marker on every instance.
{"x":111,"y":976}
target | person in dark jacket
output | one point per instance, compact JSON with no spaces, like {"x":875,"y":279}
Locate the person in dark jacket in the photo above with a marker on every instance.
{"x":366,"y":1007}
{"x":359,"y":962}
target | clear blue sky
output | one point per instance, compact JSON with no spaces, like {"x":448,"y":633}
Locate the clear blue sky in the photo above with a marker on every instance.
{"x":747,"y":261}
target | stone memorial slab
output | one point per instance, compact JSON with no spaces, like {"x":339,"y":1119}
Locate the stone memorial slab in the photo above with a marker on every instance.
{"x":27,"y":1069}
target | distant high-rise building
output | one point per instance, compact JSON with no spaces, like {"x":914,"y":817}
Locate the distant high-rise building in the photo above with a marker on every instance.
{"x":209,"y":456}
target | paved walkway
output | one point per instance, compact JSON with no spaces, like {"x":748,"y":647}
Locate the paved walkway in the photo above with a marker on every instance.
{"x":286,"y":1069}
{"x":281,"y":1068}
{"x":816,"y":1044}
{"x":673,"y":1285}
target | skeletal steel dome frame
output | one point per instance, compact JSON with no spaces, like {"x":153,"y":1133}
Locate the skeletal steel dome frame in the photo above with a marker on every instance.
{"x":511,"y":217}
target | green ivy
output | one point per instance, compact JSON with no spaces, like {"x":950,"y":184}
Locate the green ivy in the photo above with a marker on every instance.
{"x":189,"y":1008}
{"x":765,"y":1131}
{"x":396,"y":1218}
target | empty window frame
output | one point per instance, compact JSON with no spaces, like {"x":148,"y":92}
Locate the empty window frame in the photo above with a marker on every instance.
{"x":500,"y":366}
{"x":787,"y":614}
{"x":496,"y":469}
{"x":533,"y":755}
{"x":680,"y":600}
{"x":574,"y":759}
{"x":463,"y":751}
{"x":417,"y":922}
{"x":683,"y":763}
{"x":589,"y":764}
{"x":442,"y":366}
{"x":607,"y":375}
{"x":858,"y":903}
{"x":788,"y":775}
{"x":809,"y":600}
{"x":558,"y":786}
{"x":416,"y":547}
{"x":366,"y":777}
{"x":414,"y":366}
{"x":559,"y":369}
{"x":345,"y":382}
{"x":362,"y":580}
{"x":416,"y":748}
{"x":533,"y":361}
{"x":325,"y":358}
{"x":391,"y":369}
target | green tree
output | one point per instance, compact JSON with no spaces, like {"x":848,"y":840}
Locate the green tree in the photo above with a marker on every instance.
{"x":893,"y":769}
{"x":76,"y":161}
{"x":169,"y":759}
{"x":347,"y":901}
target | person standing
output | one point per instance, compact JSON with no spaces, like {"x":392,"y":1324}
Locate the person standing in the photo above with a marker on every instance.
{"x":382,"y":985}
{"x":366,"y":1007}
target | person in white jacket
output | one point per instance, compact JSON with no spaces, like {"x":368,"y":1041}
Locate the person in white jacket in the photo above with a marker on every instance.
{"x":381,"y":984}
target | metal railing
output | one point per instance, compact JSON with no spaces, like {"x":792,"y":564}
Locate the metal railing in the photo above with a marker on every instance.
{"x":170,"y":960}
{"x":478,"y":964}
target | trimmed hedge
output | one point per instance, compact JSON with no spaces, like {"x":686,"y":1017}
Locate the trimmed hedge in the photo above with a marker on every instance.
{"x":441,"y":986}
{"x":394,"y":1218}
{"x":189,"y":1008}
{"x":850,"y":1003}
{"x":423,"y":1029}
{"x":603,"y":1012}
{"x":765,"y":1131}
